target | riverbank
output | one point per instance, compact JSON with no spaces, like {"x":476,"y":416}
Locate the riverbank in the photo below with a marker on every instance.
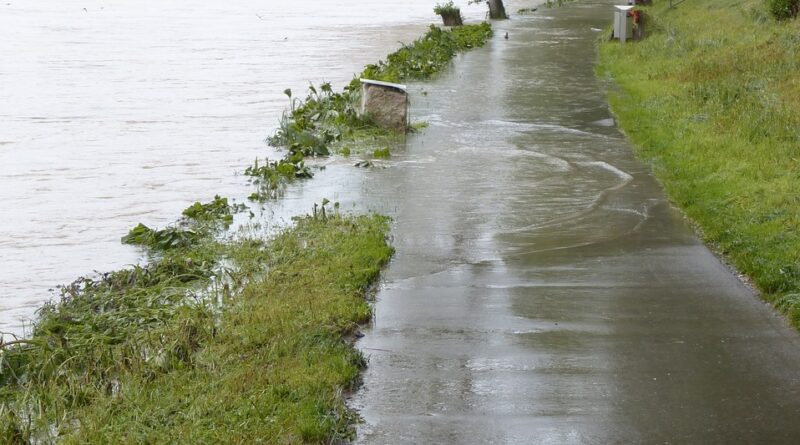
{"x":222,"y":336}
{"x":711,"y":99}
{"x":157,"y":114}
{"x":137,"y":359}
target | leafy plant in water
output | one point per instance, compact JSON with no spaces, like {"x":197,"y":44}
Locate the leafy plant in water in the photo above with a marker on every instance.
{"x":310,"y":126}
{"x":164,"y":239}
{"x":556,"y":3}
{"x":217,"y":210}
{"x":429,"y":54}
{"x":272,"y":176}
{"x":381,"y":153}
{"x":321,"y":211}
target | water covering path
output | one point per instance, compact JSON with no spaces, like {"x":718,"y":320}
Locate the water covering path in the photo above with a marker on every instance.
{"x":544,"y":290}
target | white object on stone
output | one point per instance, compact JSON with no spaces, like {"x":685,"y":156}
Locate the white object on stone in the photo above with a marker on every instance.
{"x":386,"y":103}
{"x":623,"y":25}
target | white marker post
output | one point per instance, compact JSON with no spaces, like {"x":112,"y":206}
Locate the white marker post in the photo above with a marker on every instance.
{"x":623,"y":25}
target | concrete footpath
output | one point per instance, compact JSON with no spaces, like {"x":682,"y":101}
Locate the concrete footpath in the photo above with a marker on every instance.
{"x":544,"y":290}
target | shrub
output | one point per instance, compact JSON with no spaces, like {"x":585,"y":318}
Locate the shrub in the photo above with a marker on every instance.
{"x":783,"y":9}
{"x":447,"y":9}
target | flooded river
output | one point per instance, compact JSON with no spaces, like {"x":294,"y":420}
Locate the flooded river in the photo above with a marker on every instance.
{"x":543,"y":291}
{"x":115,"y":113}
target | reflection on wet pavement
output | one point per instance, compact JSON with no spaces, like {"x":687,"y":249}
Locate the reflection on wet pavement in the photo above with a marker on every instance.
{"x":544,"y":290}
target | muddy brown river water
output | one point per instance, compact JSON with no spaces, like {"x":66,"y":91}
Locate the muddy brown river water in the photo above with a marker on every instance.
{"x":544,"y":291}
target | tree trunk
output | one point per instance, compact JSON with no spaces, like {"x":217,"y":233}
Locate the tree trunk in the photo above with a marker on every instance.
{"x":497,"y":10}
{"x":452,"y":19}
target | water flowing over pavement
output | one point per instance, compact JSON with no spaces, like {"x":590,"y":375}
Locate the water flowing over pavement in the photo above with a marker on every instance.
{"x":544,"y":290}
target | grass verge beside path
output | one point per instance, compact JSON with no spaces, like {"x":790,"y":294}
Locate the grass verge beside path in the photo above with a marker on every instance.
{"x":125,"y":363}
{"x":712,"y":99}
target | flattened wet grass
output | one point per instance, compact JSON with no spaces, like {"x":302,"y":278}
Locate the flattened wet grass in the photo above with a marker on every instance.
{"x":268,"y":366}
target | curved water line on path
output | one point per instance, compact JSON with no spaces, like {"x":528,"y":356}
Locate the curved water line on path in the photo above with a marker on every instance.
{"x":543,"y":289}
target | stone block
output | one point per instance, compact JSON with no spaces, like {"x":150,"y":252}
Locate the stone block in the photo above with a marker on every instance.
{"x":386,"y":103}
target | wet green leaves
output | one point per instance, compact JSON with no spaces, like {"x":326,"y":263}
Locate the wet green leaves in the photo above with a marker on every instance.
{"x":164,"y":239}
{"x":216,"y":210}
{"x":201,"y":221}
{"x":428,"y":55}
{"x":272,"y":176}
{"x":381,"y":153}
{"x":324,"y":117}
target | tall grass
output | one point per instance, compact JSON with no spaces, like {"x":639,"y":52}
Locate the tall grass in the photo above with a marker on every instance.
{"x":712,"y":98}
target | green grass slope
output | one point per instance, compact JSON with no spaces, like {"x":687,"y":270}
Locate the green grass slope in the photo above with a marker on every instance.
{"x":711,"y":98}
{"x":119,"y":364}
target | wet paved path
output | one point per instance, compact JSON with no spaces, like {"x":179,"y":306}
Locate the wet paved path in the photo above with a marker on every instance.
{"x":544,"y":291}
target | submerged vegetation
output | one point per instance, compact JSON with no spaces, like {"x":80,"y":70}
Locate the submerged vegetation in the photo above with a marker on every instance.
{"x":164,"y":239}
{"x":200,"y":222}
{"x":381,"y":153}
{"x":556,"y":3}
{"x":711,"y":97}
{"x":271,"y":176}
{"x":311,"y":126}
{"x":152,"y":355}
{"x":428,"y":55}
{"x":215,"y":211}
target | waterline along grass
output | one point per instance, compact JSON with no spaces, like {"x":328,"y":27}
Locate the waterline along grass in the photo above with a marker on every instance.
{"x":310,"y":126}
{"x":428,"y":55}
{"x":711,"y":98}
{"x":138,"y":356}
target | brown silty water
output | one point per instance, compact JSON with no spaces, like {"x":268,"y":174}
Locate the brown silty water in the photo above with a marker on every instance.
{"x":544,"y":290}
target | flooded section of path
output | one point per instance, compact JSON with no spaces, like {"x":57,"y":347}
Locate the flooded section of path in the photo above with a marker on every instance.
{"x":544,"y":290}
{"x":115,"y":113}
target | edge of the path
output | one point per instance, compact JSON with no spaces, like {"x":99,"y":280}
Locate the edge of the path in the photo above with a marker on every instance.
{"x":711,"y":100}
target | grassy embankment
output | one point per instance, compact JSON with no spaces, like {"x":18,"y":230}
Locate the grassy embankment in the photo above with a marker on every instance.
{"x":219,"y":340}
{"x":184,"y":352}
{"x":712,"y":99}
